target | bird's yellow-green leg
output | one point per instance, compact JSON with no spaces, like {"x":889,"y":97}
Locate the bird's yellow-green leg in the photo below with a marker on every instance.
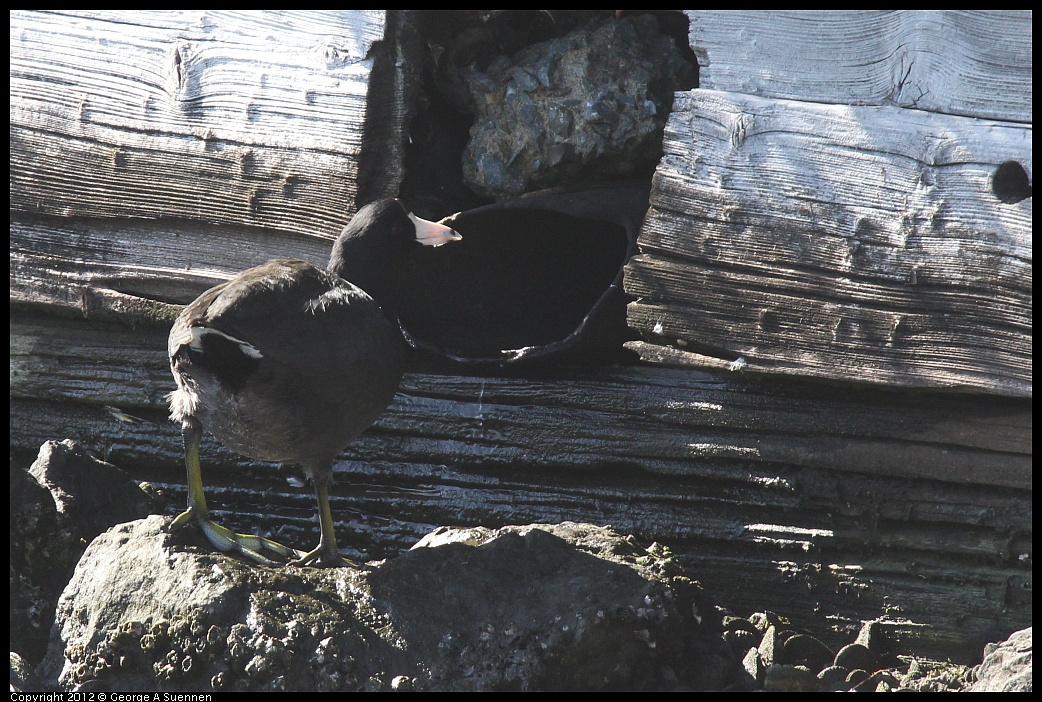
{"x":326,"y":554}
{"x":254,"y":547}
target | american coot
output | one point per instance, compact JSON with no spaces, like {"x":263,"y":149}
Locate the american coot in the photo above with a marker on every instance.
{"x":290,"y":363}
{"x":536,"y":281}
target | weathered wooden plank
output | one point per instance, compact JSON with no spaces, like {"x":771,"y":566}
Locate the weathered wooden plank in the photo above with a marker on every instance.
{"x":975,"y":63}
{"x":816,"y":501}
{"x":798,"y":497}
{"x":661,"y":419}
{"x":677,"y":425}
{"x":101,"y":268}
{"x":862,"y":244}
{"x":749,"y":554}
{"x":246,"y":118}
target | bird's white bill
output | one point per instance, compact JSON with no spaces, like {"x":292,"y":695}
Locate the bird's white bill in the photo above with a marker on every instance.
{"x":433,"y":234}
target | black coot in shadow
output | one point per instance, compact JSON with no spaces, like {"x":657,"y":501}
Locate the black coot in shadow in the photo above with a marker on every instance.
{"x":290,"y":363}
{"x":535,"y":280}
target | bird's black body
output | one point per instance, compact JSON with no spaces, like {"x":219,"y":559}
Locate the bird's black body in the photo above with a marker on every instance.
{"x":285,"y":363}
{"x":290,"y":363}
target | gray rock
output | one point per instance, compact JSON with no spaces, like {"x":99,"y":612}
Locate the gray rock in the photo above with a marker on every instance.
{"x":856,"y":656}
{"x":62,"y":502}
{"x":1006,"y":666}
{"x":791,"y":678}
{"x":752,"y":669}
{"x":594,"y":100}
{"x":872,"y":636}
{"x":805,"y":650}
{"x":567,"y":606}
{"x":23,"y":677}
{"x":36,"y":555}
{"x":833,"y":677}
{"x":769,"y":646}
{"x":91,"y":495}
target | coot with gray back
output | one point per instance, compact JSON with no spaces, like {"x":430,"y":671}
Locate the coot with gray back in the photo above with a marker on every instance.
{"x":290,"y":363}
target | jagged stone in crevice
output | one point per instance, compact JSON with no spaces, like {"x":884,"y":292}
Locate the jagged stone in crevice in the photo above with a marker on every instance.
{"x":587,"y":106}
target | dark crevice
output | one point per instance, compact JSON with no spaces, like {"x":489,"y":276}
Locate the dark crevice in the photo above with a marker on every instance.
{"x":525,"y":276}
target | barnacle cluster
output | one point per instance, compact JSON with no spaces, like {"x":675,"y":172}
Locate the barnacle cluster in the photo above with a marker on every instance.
{"x":168,"y":655}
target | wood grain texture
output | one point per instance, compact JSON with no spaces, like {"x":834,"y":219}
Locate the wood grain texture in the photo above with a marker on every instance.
{"x":852,"y":243}
{"x":112,"y":268}
{"x":251,"y":118}
{"x":975,"y":63}
{"x":821,"y":502}
{"x":156,"y":154}
{"x":666,"y":420}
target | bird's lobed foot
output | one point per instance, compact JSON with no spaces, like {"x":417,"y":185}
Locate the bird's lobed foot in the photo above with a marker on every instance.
{"x":324,"y":558}
{"x":257,"y":548}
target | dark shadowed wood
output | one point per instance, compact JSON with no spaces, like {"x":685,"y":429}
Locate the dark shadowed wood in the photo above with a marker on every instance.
{"x":795,"y":496}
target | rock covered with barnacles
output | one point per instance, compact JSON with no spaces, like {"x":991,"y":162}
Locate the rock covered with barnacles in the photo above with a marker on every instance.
{"x":1006,"y":666}
{"x":564,"y":606}
{"x":65,"y":499}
